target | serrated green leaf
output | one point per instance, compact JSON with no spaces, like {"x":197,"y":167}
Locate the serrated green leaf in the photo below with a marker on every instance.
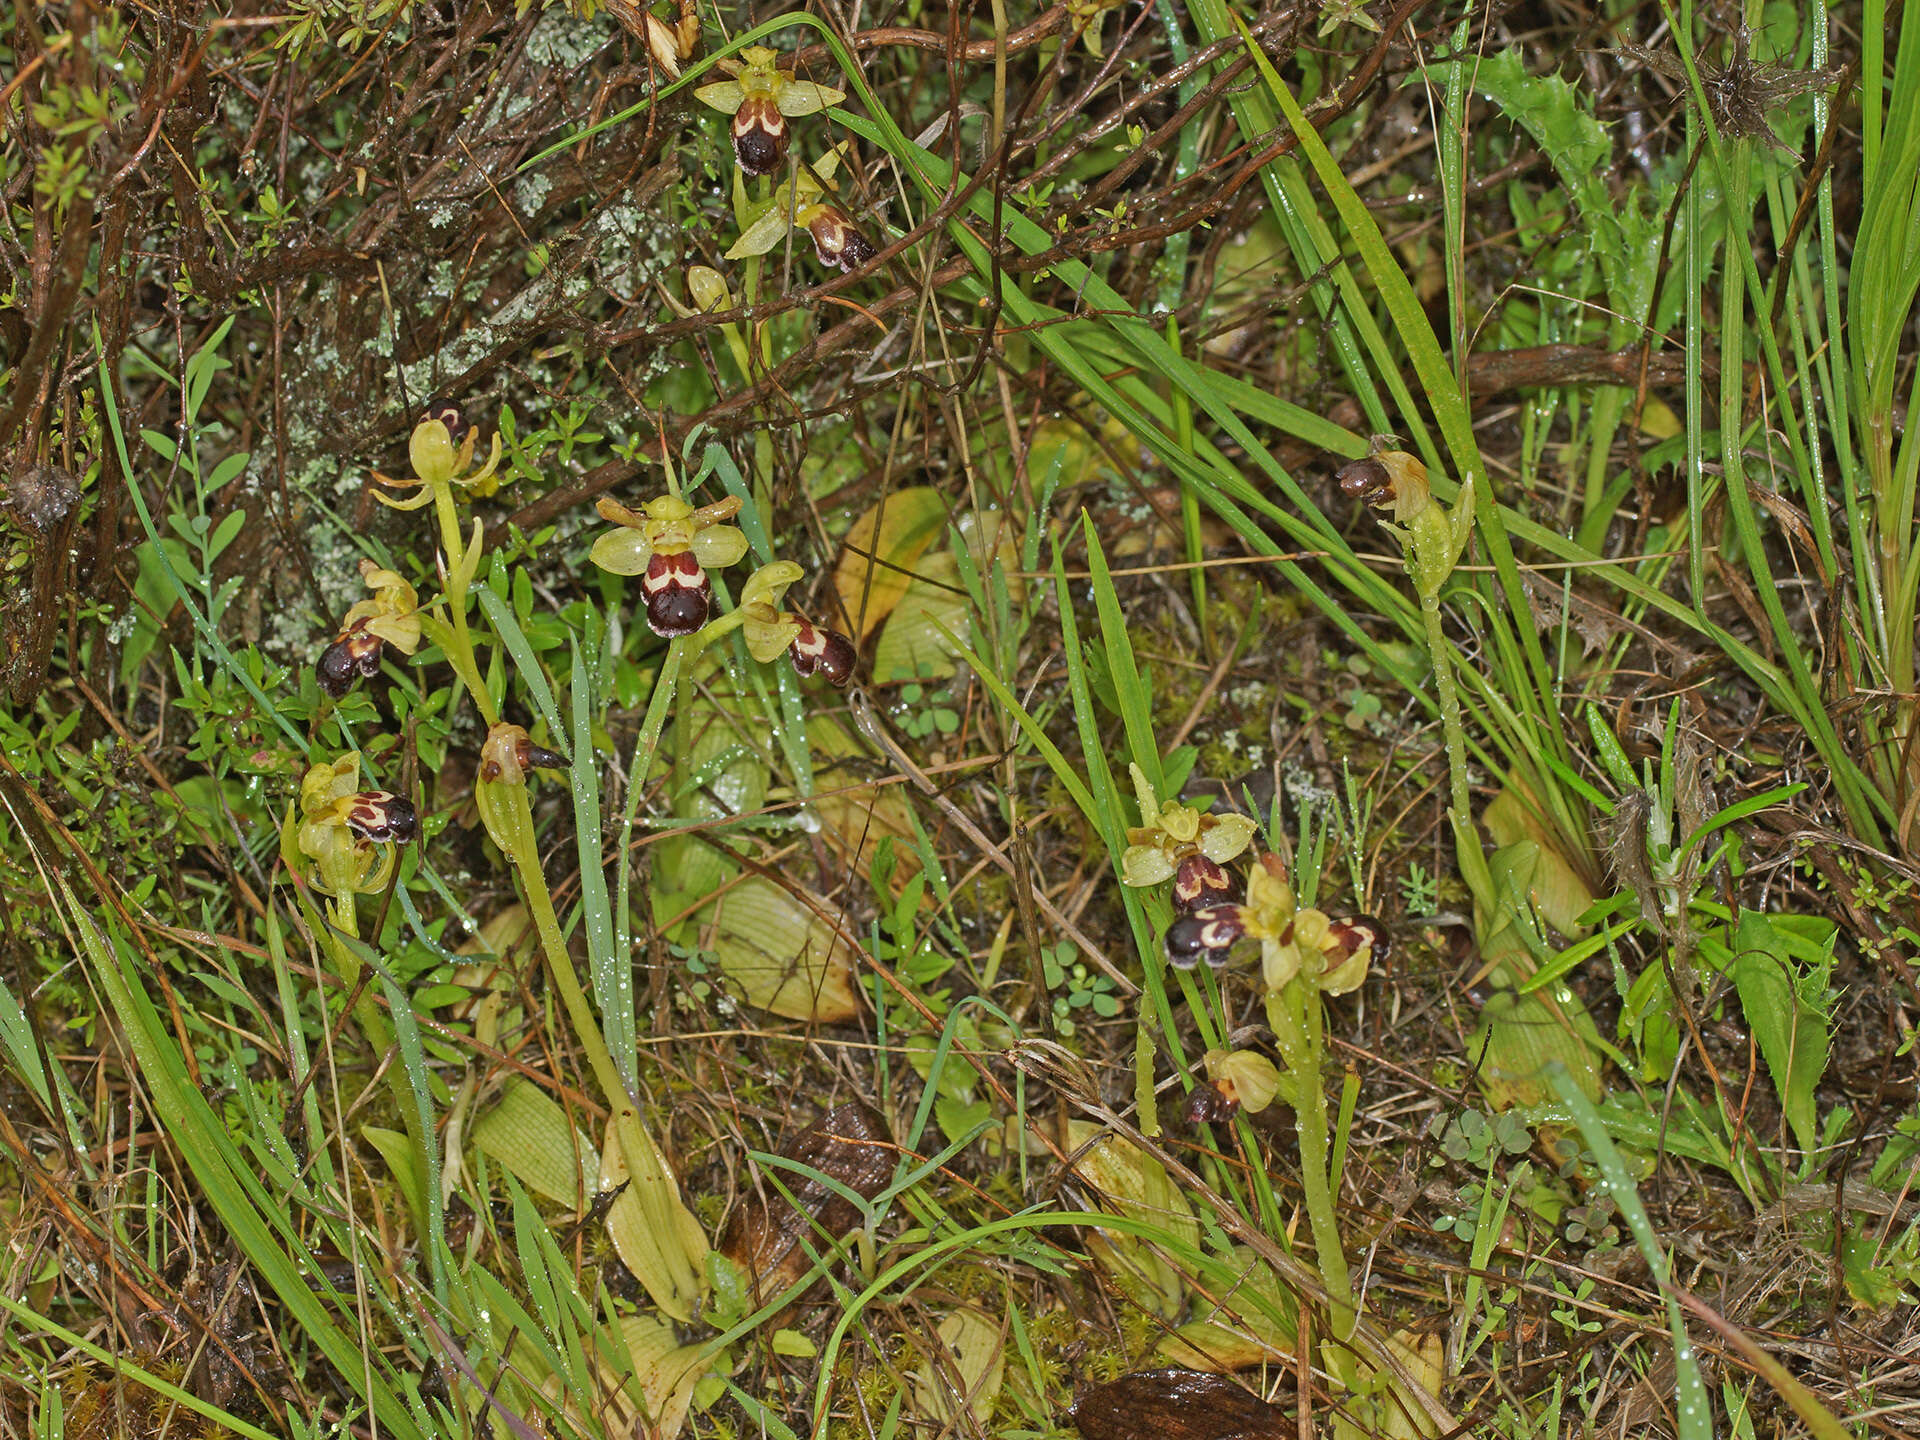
{"x":1624,"y":235}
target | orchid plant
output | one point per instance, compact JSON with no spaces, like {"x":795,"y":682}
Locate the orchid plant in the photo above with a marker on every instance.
{"x":341,"y":838}
{"x":1305,"y":954}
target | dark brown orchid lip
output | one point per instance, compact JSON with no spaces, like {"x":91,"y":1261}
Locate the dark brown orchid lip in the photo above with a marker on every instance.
{"x":828,"y":653}
{"x":382,"y":817}
{"x":678,"y":594}
{"x":354,"y":656}
{"x":1354,"y":931}
{"x":1200,"y":882}
{"x":541,"y":758}
{"x":759,"y":135}
{"x":509,"y":753}
{"x":1365,"y":479}
{"x":1208,"y":1103}
{"x":1205,"y":935}
{"x":837,"y":242}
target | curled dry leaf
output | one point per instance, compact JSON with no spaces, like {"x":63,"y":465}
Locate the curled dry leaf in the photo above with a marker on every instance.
{"x":222,"y":1296}
{"x":721,"y":775}
{"x":849,"y":1145}
{"x":781,"y":955}
{"x":1425,"y":1359}
{"x":1177,"y":1405}
{"x":1520,"y":1037}
{"x":936,"y":605}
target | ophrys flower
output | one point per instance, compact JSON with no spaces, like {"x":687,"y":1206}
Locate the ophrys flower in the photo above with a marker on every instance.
{"x":769,"y":629}
{"x":1295,"y":941}
{"x":802,"y":202}
{"x":760,"y":97}
{"x":669,"y":543}
{"x":390,"y":617}
{"x":1178,"y":841}
{"x":439,"y":460}
{"x":350,"y":835}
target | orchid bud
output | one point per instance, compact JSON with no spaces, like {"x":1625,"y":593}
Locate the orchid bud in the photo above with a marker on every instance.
{"x":508,"y":753}
{"x":434,"y":455}
{"x":707,"y":288}
{"x":1246,"y":1079}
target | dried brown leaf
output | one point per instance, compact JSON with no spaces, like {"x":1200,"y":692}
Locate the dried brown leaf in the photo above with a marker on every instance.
{"x":1177,"y":1405}
{"x":849,"y":1145}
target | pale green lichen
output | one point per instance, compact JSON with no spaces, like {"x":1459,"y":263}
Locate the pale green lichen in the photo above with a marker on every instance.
{"x":530,"y":192}
{"x":564,"y":39}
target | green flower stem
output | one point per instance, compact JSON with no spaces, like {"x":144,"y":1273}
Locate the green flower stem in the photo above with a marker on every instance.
{"x":508,"y":815}
{"x":1294,"y":1014}
{"x":511,"y":815}
{"x":375,"y":1029}
{"x":1440,"y":654}
{"x":665,"y":687}
{"x":460,"y":651}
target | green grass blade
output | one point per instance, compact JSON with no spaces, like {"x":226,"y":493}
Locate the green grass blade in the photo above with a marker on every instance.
{"x":258,"y":1221}
{"x":611,"y":965}
{"x":1136,"y":704}
{"x":525,"y":662}
{"x":1436,"y":378}
{"x":1694,"y":1408}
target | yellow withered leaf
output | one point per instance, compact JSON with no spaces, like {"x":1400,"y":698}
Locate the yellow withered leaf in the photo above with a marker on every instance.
{"x":968,"y":1379}
{"x":666,"y":1372}
{"x":878,"y":555}
{"x":1251,"y":1324}
{"x":782,"y":956}
{"x":937,"y":609}
{"x":1556,"y":890}
{"x":1130,"y":1181}
{"x":854,"y":821}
